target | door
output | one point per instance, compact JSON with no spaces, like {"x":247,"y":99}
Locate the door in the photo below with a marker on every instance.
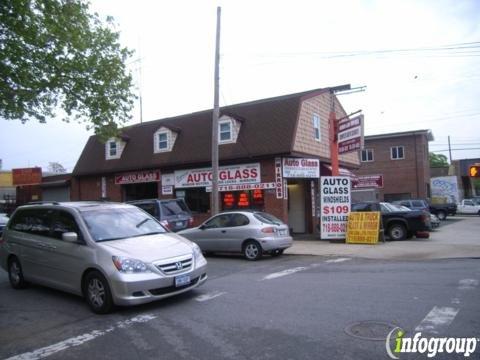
{"x":212,"y":233}
{"x":296,"y":209}
{"x":234,"y":233}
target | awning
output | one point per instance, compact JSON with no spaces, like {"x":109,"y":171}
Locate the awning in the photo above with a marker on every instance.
{"x":327,"y":171}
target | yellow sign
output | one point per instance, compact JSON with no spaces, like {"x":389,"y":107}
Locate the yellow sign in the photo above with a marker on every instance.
{"x":6,"y":179}
{"x":363,"y":227}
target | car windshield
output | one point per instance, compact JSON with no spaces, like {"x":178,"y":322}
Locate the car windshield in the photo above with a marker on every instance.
{"x":267,"y":218}
{"x":106,"y":224}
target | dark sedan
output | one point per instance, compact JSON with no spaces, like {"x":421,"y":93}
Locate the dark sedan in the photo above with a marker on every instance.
{"x":398,"y":223}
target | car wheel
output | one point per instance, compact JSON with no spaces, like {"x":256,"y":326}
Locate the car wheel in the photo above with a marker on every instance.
{"x":15,"y":274}
{"x":252,"y":250}
{"x":97,"y":293}
{"x":441,"y":215}
{"x":397,"y":232}
{"x":276,"y":252}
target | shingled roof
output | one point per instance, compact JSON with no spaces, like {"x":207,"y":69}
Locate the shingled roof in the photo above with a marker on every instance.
{"x":268,"y":128}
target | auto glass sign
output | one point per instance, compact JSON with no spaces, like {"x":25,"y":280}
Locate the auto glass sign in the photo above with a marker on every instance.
{"x":335,"y":206}
{"x":301,"y":168}
{"x":227,"y":175}
{"x":138,"y":177}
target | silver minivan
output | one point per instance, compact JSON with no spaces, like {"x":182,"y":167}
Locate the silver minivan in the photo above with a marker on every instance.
{"x":112,"y":254}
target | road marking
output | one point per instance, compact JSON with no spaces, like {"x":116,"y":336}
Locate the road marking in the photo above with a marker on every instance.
{"x":79,"y":340}
{"x":437,"y":319}
{"x":467,"y":284}
{"x":284,"y":273}
{"x":338,"y":260}
{"x":210,"y":296}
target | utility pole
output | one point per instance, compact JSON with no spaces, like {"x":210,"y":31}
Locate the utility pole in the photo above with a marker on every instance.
{"x":216,"y":114}
{"x":449,"y":150}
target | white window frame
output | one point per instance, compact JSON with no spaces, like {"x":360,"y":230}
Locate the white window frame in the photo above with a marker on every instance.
{"x":396,"y":148}
{"x":316,"y":127}
{"x":110,"y":148}
{"x":166,"y":141}
{"x":367,"y":151}
{"x":230,"y":131}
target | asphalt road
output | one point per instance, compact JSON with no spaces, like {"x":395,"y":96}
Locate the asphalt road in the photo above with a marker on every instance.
{"x":292,"y":307}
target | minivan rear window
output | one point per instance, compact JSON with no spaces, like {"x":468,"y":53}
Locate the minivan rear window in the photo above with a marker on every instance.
{"x":174,"y":207}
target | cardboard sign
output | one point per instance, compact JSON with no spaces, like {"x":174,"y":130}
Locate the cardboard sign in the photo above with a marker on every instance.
{"x":363,"y":227}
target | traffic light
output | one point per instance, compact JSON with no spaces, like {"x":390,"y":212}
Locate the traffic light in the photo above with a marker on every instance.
{"x":474,"y":170}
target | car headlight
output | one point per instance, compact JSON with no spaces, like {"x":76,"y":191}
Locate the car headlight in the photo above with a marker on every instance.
{"x":129,"y":266}
{"x":197,"y":252}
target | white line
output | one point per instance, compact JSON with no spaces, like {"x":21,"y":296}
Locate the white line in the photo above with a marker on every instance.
{"x":338,"y":260}
{"x":467,"y":284}
{"x":79,"y":340}
{"x":437,"y":319}
{"x":209,"y":296}
{"x":284,"y":273}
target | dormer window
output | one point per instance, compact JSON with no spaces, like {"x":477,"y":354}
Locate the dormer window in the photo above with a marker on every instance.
{"x":164,"y":140}
{"x":114,"y":148}
{"x":225,"y":131}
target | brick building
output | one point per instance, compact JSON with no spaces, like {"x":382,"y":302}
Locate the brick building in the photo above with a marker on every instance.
{"x":271,"y":153}
{"x":396,"y":165}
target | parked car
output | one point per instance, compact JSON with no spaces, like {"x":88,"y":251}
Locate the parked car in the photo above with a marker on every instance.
{"x":440,"y":210}
{"x":174,"y":214}
{"x":249,"y":232}
{"x":109,"y":253}
{"x":3,"y":222}
{"x":468,"y":207}
{"x":398,"y":223}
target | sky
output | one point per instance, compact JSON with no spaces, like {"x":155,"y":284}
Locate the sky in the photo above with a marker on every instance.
{"x":418,"y":61}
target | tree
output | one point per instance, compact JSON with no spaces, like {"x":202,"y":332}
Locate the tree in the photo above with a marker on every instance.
{"x":56,"y":167}
{"x":55,"y":55}
{"x":438,"y":160}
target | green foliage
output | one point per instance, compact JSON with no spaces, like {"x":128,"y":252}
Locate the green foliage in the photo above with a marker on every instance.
{"x":438,"y":160}
{"x":55,"y":54}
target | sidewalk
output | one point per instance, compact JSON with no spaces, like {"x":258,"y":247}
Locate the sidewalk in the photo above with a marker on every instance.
{"x":458,"y":237}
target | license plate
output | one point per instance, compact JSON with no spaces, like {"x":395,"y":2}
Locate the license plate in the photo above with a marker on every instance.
{"x":182,"y":280}
{"x":283,"y":232}
{"x":179,"y":224}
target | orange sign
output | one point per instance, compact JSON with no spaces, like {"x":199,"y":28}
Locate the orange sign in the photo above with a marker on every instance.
{"x":27,"y":176}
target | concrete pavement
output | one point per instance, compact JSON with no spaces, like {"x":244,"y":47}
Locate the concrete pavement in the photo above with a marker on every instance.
{"x":457,"y":237}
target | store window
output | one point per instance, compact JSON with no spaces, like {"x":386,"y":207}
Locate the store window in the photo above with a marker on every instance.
{"x":197,"y":199}
{"x":250,"y":199}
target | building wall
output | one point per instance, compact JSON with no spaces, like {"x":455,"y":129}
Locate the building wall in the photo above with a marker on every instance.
{"x":305,"y":141}
{"x":408,"y":176}
{"x":90,"y":188}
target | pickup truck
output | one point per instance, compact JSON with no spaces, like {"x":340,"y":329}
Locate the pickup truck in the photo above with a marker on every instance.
{"x":468,"y":206}
{"x":398,"y":223}
{"x":440,"y":210}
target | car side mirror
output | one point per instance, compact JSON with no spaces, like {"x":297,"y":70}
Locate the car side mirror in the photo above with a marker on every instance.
{"x":70,"y":237}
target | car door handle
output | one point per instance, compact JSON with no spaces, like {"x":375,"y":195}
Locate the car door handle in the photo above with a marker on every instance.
{"x":224,"y":231}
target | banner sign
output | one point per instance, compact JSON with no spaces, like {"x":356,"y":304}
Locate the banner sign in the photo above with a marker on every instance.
{"x":367,"y":181}
{"x":301,"y":168}
{"x":350,"y":134}
{"x":137,"y":177}
{"x":227,"y":175}
{"x":27,"y":176}
{"x":363,"y":227}
{"x":335,"y":197}
{"x":278,"y":178}
{"x":243,"y":187}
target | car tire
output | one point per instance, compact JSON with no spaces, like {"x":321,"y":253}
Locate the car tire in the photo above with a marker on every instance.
{"x":276,"y":252}
{"x":15,"y":274}
{"x":97,"y":293}
{"x":442,"y":215}
{"x":397,"y":232}
{"x":252,"y":250}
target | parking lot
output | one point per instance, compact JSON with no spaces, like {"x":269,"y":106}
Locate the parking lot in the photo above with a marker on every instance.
{"x":294,"y":306}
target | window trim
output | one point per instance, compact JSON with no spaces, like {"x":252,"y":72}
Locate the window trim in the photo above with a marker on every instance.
{"x":317,"y":126}
{"x":230,"y":131}
{"x":367,"y":151}
{"x":397,"y":147}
